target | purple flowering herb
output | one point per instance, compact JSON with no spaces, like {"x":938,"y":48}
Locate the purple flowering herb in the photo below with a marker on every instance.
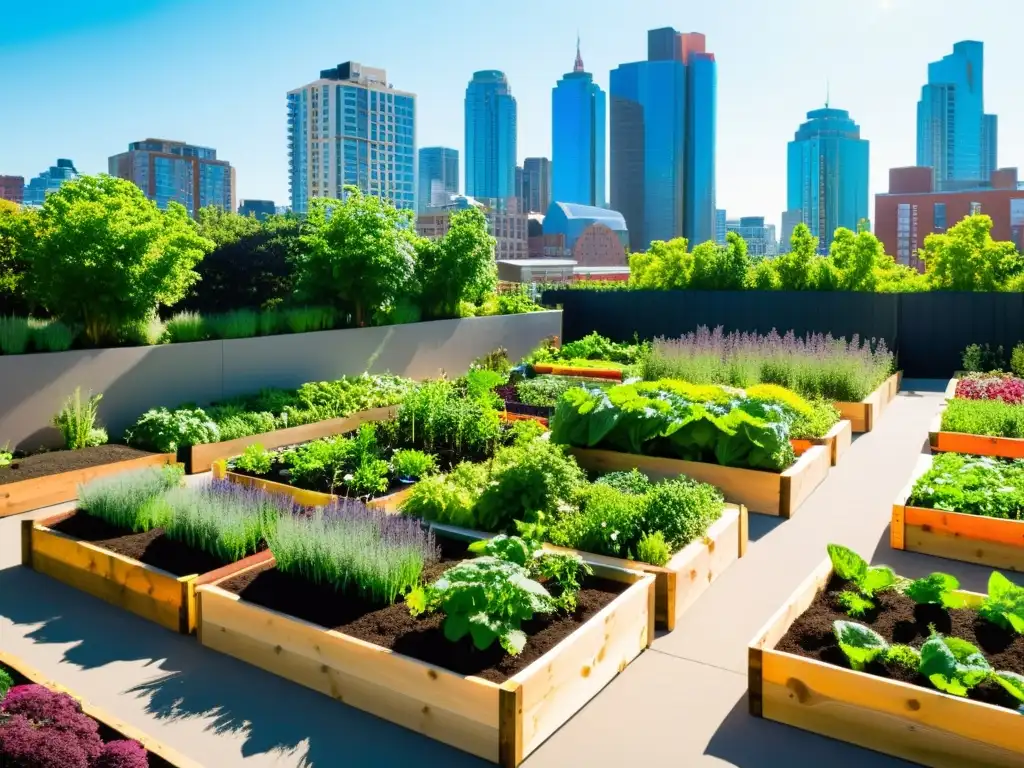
{"x":122,"y":754}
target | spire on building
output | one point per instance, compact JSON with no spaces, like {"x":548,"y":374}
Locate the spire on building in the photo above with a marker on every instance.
{"x":578,"y":66}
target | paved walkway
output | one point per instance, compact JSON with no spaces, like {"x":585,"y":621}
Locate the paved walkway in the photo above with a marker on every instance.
{"x":683,"y":703}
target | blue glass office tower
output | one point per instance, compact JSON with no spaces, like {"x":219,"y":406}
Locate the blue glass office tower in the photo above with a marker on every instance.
{"x":954,"y":135}
{"x":662,"y":122}
{"x":490,"y":136}
{"x":578,"y":109}
{"x":49,"y":181}
{"x":438,"y":177}
{"x":827,"y":174}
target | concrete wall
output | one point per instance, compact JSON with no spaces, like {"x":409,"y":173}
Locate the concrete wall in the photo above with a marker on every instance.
{"x":133,"y":380}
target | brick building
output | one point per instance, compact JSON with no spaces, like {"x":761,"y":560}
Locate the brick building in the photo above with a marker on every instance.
{"x":912,"y":210}
{"x":12,"y":188}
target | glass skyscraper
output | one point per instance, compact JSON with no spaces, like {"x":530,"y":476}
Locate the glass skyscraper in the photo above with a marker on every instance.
{"x":663,"y":140}
{"x":578,"y":108}
{"x":827,"y":174}
{"x":48,"y":181}
{"x":490,"y":136}
{"x":954,"y":135}
{"x":438,"y":176}
{"x":351,"y":128}
{"x":537,"y":183}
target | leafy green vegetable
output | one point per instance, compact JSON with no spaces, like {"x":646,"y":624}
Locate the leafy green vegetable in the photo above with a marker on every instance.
{"x":255,"y":459}
{"x":935,"y":589}
{"x":972,"y":485}
{"x":860,"y":644}
{"x":1004,"y":605}
{"x":869,"y":580}
{"x":952,"y":665}
{"x":6,"y":683}
{"x":847,"y":564}
{"x":413,"y":464}
{"x":854,"y":604}
{"x":165,"y":431}
{"x":994,"y":418}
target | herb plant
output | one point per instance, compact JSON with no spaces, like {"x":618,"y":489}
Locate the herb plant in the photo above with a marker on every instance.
{"x":867,"y":581}
{"x":935,"y":589}
{"x":632,"y":481}
{"x":544,"y":390}
{"x":993,"y":418}
{"x":5,"y":456}
{"x":165,"y":431}
{"x":972,"y":485}
{"x":590,"y":347}
{"x":126,"y":500}
{"x":255,"y":459}
{"x":412,"y":464}
{"x":77,"y":422}
{"x":438,"y":418}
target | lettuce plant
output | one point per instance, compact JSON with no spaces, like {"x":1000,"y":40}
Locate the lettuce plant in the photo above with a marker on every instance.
{"x":1004,"y":604}
{"x":256,"y":460}
{"x":565,"y":570}
{"x":935,"y":589}
{"x":868,"y":580}
{"x":972,"y":485}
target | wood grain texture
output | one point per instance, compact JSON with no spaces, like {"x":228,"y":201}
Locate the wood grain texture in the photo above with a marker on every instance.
{"x":510,"y":724}
{"x":980,"y":445}
{"x":799,"y":481}
{"x":842,"y":434}
{"x":121,"y":728}
{"x":39,"y":492}
{"x":612,"y":374}
{"x":203,"y":456}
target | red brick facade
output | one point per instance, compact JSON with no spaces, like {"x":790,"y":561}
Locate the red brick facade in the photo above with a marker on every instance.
{"x":12,"y":188}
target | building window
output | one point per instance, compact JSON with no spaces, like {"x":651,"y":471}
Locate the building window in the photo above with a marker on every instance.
{"x":939,"y":217}
{"x":975,"y":208}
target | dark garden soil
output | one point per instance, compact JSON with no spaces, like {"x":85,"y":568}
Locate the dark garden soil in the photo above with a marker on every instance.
{"x":151,"y":547}
{"x":899,"y":619}
{"x":421,"y":638}
{"x":274,"y":475}
{"x":54,"y":462}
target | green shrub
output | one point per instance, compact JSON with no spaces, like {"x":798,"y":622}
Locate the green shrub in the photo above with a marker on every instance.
{"x":77,"y":422}
{"x":652,"y":548}
{"x":824,"y":415}
{"x":164,"y":431}
{"x":142,"y":333}
{"x":448,"y":499}
{"x":523,"y":431}
{"x":186,"y":327}
{"x":236,"y":324}
{"x":609,"y":522}
{"x":436,"y":417}
{"x":308,"y":319}
{"x":272,"y":321}
{"x":993,"y":418}
{"x":632,"y":481}
{"x":51,"y":336}
{"x":413,"y":464}
{"x":234,"y":422}
{"x":255,"y":459}
{"x":544,"y":390}
{"x":14,"y":335}
{"x":682,"y":510}
{"x":1017,"y":360}
{"x":981,"y":358}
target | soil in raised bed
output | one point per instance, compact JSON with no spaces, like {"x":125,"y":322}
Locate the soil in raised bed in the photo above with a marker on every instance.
{"x":899,"y":619}
{"x":275,"y":476}
{"x":55,"y":462}
{"x":151,"y":547}
{"x":421,"y":638}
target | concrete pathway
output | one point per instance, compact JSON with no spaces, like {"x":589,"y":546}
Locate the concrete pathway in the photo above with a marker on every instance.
{"x":683,"y":703}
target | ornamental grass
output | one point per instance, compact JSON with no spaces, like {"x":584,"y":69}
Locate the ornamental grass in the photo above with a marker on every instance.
{"x":815,"y":366}
{"x":126,"y":500}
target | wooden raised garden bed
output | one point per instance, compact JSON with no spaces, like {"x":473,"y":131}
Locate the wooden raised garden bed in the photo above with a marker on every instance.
{"x":202,"y":457}
{"x":509,"y":416}
{"x":989,"y":541}
{"x":770,"y":493}
{"x":388,"y":503}
{"x":864,"y":414}
{"x":685,"y":577}
{"x":149,"y":592}
{"x":26,"y":495}
{"x":612,"y":374}
{"x":160,"y":755}
{"x":979,"y":445}
{"x":502,"y":723}
{"x":906,"y":721}
{"x":837,"y":440}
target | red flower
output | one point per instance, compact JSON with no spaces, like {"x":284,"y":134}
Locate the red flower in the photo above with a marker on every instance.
{"x":1009,"y":389}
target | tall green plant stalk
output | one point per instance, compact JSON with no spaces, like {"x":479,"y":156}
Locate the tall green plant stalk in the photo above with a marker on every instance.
{"x":77,"y":421}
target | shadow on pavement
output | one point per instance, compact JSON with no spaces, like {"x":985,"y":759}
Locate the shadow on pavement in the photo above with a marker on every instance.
{"x":746,"y":741}
{"x":189,"y":681}
{"x":759,"y":526}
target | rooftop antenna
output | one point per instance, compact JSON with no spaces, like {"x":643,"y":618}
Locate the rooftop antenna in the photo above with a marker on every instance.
{"x":578,"y":66}
{"x":827,"y":92}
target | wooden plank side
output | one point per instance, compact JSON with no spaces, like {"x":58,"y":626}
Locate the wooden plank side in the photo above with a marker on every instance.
{"x":203,"y":456}
{"x":612,"y":374}
{"x":843,"y":434}
{"x":510,"y":728}
{"x":299,"y":495}
{"x":910,"y":722}
{"x":561,"y":682}
{"x":27,"y":495}
{"x":778,"y":625}
{"x":980,"y":445}
{"x":969,"y":538}
{"x":855,"y":413}
{"x":799,"y":481}
{"x":702,"y":561}
{"x":756,"y":490}
{"x":934,"y":428}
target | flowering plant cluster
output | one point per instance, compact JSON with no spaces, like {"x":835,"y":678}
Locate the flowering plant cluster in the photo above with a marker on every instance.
{"x":41,"y":728}
{"x":1005,"y":387}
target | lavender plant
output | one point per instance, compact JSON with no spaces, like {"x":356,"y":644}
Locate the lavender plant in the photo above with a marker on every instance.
{"x":354,"y":549}
{"x":126,"y":500}
{"x":224,"y":519}
{"x":816,"y":366}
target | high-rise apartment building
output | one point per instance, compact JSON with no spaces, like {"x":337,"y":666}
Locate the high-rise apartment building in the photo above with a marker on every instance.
{"x":12,"y":188}
{"x":578,"y":113}
{"x":662,"y":122}
{"x":827,"y":174}
{"x":350,"y":127}
{"x":49,"y":181}
{"x":518,"y":189}
{"x":506,"y":222}
{"x":759,"y":236}
{"x":173,"y":171}
{"x":438,"y":176}
{"x":537,"y":180}
{"x":490,"y":136}
{"x":721,"y":226}
{"x":259,"y":209}
{"x":790,"y":220}
{"x":954,"y":135}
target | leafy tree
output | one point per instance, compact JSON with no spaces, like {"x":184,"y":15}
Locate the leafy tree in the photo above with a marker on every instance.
{"x":762,"y":276}
{"x":17,"y":230}
{"x":796,"y":269}
{"x":250,"y":265}
{"x":357,"y":253}
{"x":856,"y":259}
{"x":720,"y":268}
{"x":458,"y":267}
{"x":665,"y":266}
{"x":966,"y":258}
{"x":105,"y":256}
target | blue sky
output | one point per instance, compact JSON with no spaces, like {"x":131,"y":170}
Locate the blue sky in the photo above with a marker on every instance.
{"x":82,"y":79}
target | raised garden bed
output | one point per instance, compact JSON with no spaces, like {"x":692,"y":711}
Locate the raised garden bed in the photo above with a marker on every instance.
{"x":159,"y":755}
{"x":45,"y":479}
{"x":979,"y":445}
{"x":389,"y":502}
{"x":864,"y":415}
{"x":770,"y":493}
{"x":991,"y":541}
{"x":685,"y":577}
{"x":497,"y":707}
{"x":60,"y":547}
{"x":612,"y":374}
{"x":200,"y":458}
{"x":887,"y":715}
{"x":837,"y":440}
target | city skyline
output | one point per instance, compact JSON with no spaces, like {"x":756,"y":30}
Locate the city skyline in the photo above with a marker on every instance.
{"x":761,"y":97}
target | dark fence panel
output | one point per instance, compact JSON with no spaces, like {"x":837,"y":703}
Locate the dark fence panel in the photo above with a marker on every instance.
{"x":928,"y":331}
